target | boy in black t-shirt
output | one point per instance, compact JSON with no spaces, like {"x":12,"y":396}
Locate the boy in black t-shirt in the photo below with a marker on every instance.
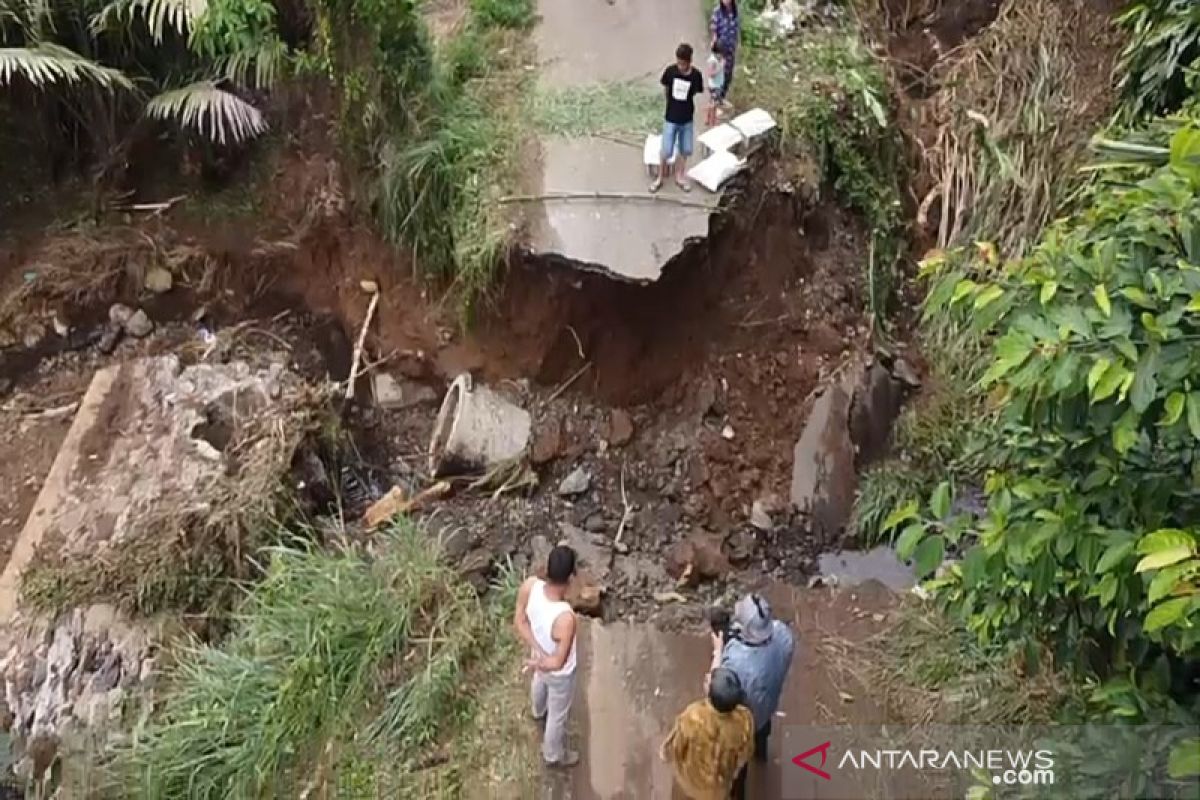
{"x":681,"y":83}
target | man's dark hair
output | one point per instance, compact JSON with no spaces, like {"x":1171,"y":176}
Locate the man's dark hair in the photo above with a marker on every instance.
{"x":684,"y":52}
{"x":725,"y":690}
{"x":560,"y":566}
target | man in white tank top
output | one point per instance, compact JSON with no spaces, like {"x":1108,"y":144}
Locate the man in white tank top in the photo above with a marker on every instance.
{"x":546,"y":623}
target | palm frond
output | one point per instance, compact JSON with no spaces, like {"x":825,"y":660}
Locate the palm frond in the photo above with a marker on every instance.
{"x":31,"y":17}
{"x":213,"y":112}
{"x":258,"y":67}
{"x":48,"y":64}
{"x":179,"y":15}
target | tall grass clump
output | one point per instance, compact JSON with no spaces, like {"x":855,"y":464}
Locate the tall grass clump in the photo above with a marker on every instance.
{"x":436,"y":128}
{"x":313,"y":647}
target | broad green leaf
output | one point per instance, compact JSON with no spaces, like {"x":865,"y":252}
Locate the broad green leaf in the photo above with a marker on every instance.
{"x":1109,"y":382}
{"x":901,"y":514}
{"x":939,"y":504}
{"x":1137,"y":296}
{"x":1114,"y":555}
{"x":1173,"y":409}
{"x":1096,"y":373}
{"x":928,"y":556}
{"x":1166,"y":613}
{"x":1165,"y":581}
{"x":1194,"y":304}
{"x":1100,"y":294}
{"x":1164,"y":539}
{"x":965,"y":287}
{"x":1164,"y":558}
{"x":974,"y":568}
{"x":1145,"y":380}
{"x":907,"y":542}
{"x":1125,"y":432}
{"x":1193,"y":413}
{"x":1184,"y":761}
{"x":1049,"y":289}
{"x":988,"y":295}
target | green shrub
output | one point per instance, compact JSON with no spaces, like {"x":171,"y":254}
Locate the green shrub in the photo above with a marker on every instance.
{"x":1089,"y":536}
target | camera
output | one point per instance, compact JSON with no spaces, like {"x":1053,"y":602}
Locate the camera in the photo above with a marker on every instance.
{"x":721,"y":622}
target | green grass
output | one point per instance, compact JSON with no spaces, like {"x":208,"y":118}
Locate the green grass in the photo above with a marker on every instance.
{"x":440,"y":185}
{"x":348,"y":671}
{"x":604,"y":109}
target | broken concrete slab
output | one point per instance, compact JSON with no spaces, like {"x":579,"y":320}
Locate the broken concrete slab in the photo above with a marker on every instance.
{"x":626,"y":231}
{"x":392,"y":394}
{"x":148,"y":453}
{"x":594,"y":208}
{"x":877,"y":400}
{"x":823,"y":475}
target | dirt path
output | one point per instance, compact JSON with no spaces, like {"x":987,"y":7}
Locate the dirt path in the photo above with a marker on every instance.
{"x":588,"y":42}
{"x":634,"y":679}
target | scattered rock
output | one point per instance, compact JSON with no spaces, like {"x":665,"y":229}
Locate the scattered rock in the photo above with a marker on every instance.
{"x":706,"y":397}
{"x":158,"y":280}
{"x":741,"y":544}
{"x":139,"y":325}
{"x":586,"y":594}
{"x":110,"y":338}
{"x":760,"y":517}
{"x":904,"y":372}
{"x":595,"y":523}
{"x":591,"y":549}
{"x":697,"y":558}
{"x":669,"y":597}
{"x":119,"y":313}
{"x":548,"y":442}
{"x":578,"y":482}
{"x":620,"y":428}
{"x":727,"y":433}
{"x":390,"y":393}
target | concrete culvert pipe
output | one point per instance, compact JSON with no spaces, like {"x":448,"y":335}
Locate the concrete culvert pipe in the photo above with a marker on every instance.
{"x":476,"y":428}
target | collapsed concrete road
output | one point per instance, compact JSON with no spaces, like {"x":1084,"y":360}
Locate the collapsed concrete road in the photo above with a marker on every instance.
{"x":149,"y":461}
{"x":582,"y":43}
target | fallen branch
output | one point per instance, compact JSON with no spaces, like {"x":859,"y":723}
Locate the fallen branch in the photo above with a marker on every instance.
{"x":567,"y":384}
{"x":642,"y":196}
{"x":358,"y":348}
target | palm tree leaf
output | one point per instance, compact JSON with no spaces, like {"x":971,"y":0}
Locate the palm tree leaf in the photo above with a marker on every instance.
{"x":179,"y":15}
{"x":48,"y":64}
{"x":215,"y":113}
{"x":257,"y":66}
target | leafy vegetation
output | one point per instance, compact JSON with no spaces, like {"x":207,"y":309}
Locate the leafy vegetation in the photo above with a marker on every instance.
{"x":343,"y":667}
{"x":828,"y":93}
{"x":1164,"y":41}
{"x":224,"y":44}
{"x":437,"y":127}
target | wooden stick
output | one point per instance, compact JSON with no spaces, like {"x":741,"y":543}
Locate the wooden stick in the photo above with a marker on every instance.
{"x":625,"y":513}
{"x":643,"y":196}
{"x":568,"y":382}
{"x":358,"y":348}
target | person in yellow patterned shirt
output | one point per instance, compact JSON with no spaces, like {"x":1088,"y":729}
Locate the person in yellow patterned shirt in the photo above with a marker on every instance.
{"x":712,"y":740}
